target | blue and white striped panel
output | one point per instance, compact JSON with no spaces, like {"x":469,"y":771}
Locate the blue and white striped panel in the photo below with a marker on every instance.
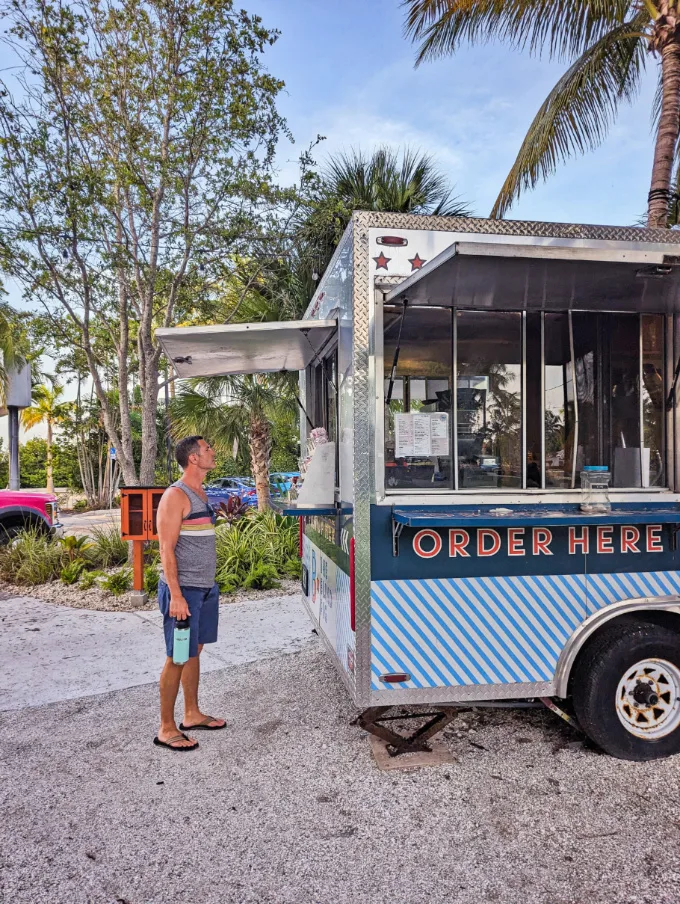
{"x":344,"y":636}
{"x":604,"y":589}
{"x":465,"y":631}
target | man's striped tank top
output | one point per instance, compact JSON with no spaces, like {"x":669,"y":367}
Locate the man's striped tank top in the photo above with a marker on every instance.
{"x":195,"y":550}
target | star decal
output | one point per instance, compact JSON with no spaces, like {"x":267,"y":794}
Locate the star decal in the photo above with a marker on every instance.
{"x":416,"y":262}
{"x":382,"y":261}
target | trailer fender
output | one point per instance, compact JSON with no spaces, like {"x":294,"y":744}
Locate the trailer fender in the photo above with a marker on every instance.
{"x":592,"y":624}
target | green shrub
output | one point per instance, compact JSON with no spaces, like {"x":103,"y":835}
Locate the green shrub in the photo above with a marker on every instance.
{"x":261,"y":577}
{"x":118,"y":582}
{"x":229,"y":583}
{"x":72,"y":571}
{"x":255,"y":550}
{"x":80,"y":505}
{"x":152,"y":576}
{"x":31,"y":558}
{"x":75,"y":547}
{"x":292,"y":568}
{"x":89,"y":578}
{"x":108,"y":548}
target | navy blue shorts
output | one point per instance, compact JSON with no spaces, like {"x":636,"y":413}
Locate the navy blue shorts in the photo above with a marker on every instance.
{"x":204,"y":606}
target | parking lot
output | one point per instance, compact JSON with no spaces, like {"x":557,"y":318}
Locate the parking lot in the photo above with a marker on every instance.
{"x":288,"y":805}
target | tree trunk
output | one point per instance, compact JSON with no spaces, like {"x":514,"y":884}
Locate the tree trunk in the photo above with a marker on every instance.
{"x":147,"y":468}
{"x":50,"y":479}
{"x":667,"y":135}
{"x":260,"y":449}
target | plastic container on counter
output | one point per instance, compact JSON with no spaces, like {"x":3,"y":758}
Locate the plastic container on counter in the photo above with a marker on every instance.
{"x":595,"y":480}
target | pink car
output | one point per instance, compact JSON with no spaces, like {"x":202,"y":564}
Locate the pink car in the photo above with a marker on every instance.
{"x":20,"y":509}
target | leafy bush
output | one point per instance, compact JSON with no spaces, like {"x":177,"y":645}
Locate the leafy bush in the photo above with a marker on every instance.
{"x":118,"y":582}
{"x":292,"y":568}
{"x":75,"y":547}
{"x":33,"y":557}
{"x":89,"y":578}
{"x":152,"y":576}
{"x":108,"y":548}
{"x":228,"y":583}
{"x":80,"y":505}
{"x":255,"y":550}
{"x":72,"y":571}
{"x":261,"y":577}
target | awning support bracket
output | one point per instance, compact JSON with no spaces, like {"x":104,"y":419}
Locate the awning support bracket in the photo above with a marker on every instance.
{"x":397,"y":528}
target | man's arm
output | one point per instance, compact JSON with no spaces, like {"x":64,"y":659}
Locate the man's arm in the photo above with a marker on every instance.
{"x":169,"y":522}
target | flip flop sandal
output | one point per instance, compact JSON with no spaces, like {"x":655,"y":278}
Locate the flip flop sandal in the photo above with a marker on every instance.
{"x":203,"y":726}
{"x":170,"y":743}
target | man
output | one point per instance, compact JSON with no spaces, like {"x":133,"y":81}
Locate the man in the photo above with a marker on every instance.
{"x":187,"y":589}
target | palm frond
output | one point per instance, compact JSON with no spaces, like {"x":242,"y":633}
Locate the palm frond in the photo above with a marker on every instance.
{"x":562,"y":29}
{"x":205,"y":413}
{"x":577,"y":113}
{"x":409,"y":182}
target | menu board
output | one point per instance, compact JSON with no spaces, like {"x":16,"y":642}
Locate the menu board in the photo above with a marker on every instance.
{"x":421,"y":435}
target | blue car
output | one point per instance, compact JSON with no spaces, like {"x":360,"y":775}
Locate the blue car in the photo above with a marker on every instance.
{"x":223,"y":488}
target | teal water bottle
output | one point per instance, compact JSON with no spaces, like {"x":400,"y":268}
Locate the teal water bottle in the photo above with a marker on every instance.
{"x":180,"y":643}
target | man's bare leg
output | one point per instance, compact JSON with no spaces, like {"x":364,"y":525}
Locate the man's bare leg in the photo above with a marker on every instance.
{"x":170,"y":679}
{"x":191,"y":676}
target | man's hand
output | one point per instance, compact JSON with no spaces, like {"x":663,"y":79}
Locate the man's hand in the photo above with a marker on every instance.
{"x":179,"y":608}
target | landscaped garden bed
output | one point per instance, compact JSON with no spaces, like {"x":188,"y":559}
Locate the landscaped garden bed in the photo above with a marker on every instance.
{"x":257,"y":557}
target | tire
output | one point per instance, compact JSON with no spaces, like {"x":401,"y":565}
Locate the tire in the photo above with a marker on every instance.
{"x":7,"y":534}
{"x":627,"y":669}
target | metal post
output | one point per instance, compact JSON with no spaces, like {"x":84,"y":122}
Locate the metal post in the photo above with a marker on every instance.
{"x":575,"y":392}
{"x":14,"y":478}
{"x":168,"y":440}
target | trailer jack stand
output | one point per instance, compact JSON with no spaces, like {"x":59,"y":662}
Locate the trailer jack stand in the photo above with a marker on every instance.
{"x":370,"y":720}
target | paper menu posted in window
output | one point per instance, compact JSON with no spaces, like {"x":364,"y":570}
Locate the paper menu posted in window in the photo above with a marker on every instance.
{"x":439,"y":432}
{"x":403,"y":435}
{"x":422,"y":437}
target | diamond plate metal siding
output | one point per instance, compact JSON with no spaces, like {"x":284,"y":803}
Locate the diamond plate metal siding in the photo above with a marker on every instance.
{"x":476,"y":225}
{"x":364,"y":452}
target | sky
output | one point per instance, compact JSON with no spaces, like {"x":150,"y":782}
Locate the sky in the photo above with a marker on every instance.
{"x":350,"y":76}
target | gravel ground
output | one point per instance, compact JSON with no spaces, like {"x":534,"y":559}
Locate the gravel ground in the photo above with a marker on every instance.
{"x":287,"y":805}
{"x":94,"y":598}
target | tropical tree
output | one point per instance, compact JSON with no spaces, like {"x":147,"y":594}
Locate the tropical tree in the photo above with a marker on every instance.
{"x":137,"y":141}
{"x":234,"y":409}
{"x":47,"y":409}
{"x":608,"y":46}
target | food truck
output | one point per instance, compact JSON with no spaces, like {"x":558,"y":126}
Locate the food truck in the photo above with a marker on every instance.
{"x":467,"y":373}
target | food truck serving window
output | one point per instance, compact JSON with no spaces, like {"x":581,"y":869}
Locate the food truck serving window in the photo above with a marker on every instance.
{"x":503,"y":400}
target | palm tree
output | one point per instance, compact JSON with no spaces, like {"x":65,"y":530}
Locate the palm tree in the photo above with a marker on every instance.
{"x":10,"y":356}
{"x":607,"y":46}
{"x":47,"y":409}
{"x":234,"y":409}
{"x":406,"y":183}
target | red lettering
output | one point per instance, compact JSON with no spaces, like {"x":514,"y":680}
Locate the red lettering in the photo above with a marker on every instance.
{"x":418,"y":544}
{"x":482,"y":534}
{"x":458,"y":541}
{"x":654,"y":543}
{"x":542,"y":538}
{"x":516,"y":541}
{"x":583,"y":541}
{"x":604,"y":539}
{"x":630,"y":537}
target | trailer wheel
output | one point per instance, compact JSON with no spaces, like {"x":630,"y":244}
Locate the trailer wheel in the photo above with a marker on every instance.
{"x":626,"y":690}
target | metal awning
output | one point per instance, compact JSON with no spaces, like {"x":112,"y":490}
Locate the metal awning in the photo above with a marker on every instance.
{"x":245,"y":348}
{"x":495,"y":275}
